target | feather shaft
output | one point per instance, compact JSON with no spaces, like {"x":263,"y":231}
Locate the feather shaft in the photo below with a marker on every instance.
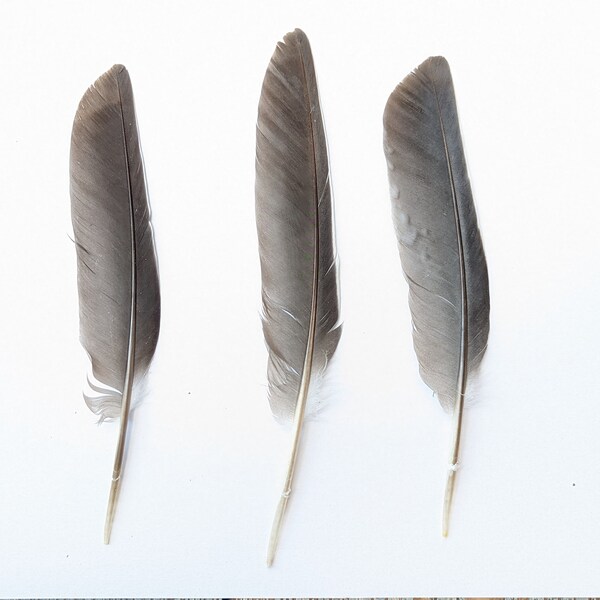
{"x":300,"y":409}
{"x":115,"y":484}
{"x":457,"y":420}
{"x":461,"y":384}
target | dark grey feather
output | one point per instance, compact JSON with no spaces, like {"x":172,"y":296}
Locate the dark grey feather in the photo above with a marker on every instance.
{"x":116,"y":260}
{"x":294,"y":216}
{"x":436,"y":226}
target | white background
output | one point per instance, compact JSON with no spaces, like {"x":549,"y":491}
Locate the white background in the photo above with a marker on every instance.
{"x":206,"y":459}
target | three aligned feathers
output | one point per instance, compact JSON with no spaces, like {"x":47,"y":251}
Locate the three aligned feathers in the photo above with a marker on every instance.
{"x":434,"y":216}
{"x":438,"y":239}
{"x":117,"y":276}
{"x":294,"y":216}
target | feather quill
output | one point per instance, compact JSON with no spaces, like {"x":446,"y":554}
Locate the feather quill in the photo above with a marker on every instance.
{"x":438,"y":239}
{"x":294,"y":216}
{"x":117,"y":275}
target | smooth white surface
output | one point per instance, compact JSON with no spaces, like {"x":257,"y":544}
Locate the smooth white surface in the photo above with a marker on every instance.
{"x":206,"y":459}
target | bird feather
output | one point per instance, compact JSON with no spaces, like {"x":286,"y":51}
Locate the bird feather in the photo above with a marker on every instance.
{"x":117,"y":275}
{"x":438,"y":237}
{"x":294,"y":216}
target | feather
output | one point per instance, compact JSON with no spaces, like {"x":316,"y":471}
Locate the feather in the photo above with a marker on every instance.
{"x":294,"y":216}
{"x":117,"y":276}
{"x":438,"y":239}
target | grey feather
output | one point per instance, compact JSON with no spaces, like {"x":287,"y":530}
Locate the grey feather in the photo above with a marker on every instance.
{"x":294,"y":216}
{"x":117,"y":276}
{"x":436,"y":227}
